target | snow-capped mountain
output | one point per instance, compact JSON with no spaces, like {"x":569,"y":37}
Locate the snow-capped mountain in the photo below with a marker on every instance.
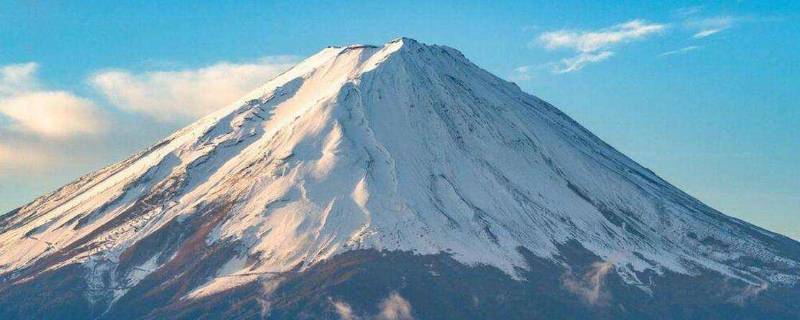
{"x":361,"y":155}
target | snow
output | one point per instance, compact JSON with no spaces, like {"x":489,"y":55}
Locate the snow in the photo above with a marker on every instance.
{"x":400,"y":147}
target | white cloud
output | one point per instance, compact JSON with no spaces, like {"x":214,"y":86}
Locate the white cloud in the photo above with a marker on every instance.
{"x":33,"y":110}
{"x":709,"y":26}
{"x":52,"y":114}
{"x":591,"y":41}
{"x":595,"y":46}
{"x":186,"y":94}
{"x":395,"y":307}
{"x":680,"y":51}
{"x":37,"y":125}
{"x":16,"y":78}
{"x":40,"y":126}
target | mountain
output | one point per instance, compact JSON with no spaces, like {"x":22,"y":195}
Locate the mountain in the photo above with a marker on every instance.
{"x":396,"y":181}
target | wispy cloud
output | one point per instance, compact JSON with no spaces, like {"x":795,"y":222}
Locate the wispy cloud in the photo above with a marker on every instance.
{"x":598,"y":45}
{"x":343,"y":310}
{"x":680,"y":51}
{"x":590,"y":285}
{"x":709,"y":26}
{"x":749,"y":292}
{"x":590,"y":41}
{"x":522,"y":73}
{"x":174,"y":95}
{"x":688,"y":11}
{"x":578,"y":62}
{"x":594,"y":46}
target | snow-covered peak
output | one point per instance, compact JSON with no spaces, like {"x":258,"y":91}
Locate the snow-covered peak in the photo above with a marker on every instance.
{"x":404,"y":146}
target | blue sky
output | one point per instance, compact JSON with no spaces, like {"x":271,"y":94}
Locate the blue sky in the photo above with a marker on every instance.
{"x":706,"y":94}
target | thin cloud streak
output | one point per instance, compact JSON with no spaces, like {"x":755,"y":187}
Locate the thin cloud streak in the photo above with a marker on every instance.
{"x":688,"y":11}
{"x":710,"y":26}
{"x":680,"y":51}
{"x":578,"y":62}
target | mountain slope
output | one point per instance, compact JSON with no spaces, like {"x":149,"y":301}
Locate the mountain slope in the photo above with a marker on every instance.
{"x":367,"y":151}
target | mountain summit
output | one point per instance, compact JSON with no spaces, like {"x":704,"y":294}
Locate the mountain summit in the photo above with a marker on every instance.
{"x":397,"y":180}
